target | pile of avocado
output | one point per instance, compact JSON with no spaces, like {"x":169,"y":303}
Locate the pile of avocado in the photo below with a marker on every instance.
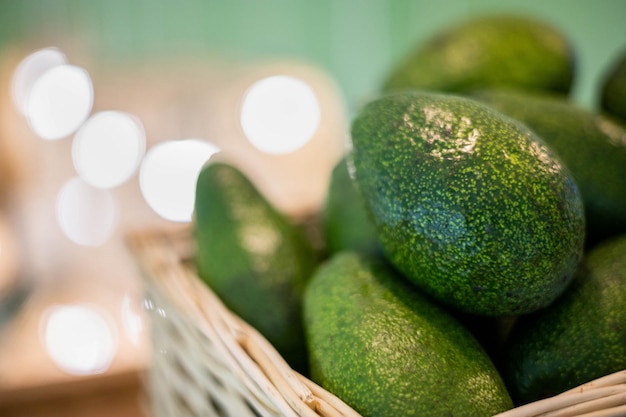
{"x":474,"y":252}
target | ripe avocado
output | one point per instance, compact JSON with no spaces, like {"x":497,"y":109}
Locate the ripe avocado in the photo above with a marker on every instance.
{"x":253,"y":257}
{"x":613,"y":89}
{"x":468,"y":204}
{"x":345,"y":223}
{"x":387,"y":350}
{"x":579,"y":338}
{"x":496,"y":51}
{"x":592,"y":146}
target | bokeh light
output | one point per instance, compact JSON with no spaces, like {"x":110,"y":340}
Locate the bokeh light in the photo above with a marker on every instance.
{"x":59,"y":102}
{"x":280,"y":114}
{"x":87,"y":215}
{"x":28,"y":72}
{"x":131,"y":319}
{"x":79,"y":339}
{"x":108,"y":148}
{"x":168,"y":176}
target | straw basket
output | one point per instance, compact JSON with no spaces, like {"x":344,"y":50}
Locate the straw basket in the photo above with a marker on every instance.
{"x":208,"y":362}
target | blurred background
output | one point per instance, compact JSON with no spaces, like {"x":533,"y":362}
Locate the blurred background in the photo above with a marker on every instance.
{"x":108,"y":109}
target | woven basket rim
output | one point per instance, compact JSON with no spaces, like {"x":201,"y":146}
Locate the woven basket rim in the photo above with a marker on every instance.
{"x":262,"y":379}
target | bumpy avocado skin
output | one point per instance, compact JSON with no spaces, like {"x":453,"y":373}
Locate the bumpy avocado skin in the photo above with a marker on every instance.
{"x":592,"y":146}
{"x":489,"y":51}
{"x":469,"y":204}
{"x":613,"y":89}
{"x":252,"y":257}
{"x":581,"y":337}
{"x":387,"y":350}
{"x":345,"y":222}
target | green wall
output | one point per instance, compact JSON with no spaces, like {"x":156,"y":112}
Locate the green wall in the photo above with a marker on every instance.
{"x":356,"y":41}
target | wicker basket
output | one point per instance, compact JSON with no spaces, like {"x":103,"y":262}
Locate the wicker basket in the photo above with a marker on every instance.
{"x":208,"y":362}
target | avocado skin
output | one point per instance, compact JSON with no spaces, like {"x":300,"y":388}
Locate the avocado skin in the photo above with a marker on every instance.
{"x":468,"y":204}
{"x":579,"y":338}
{"x":345,"y":222}
{"x":592,"y":145}
{"x":387,"y":350}
{"x":253,"y":258}
{"x":496,"y":51}
{"x":613,"y":89}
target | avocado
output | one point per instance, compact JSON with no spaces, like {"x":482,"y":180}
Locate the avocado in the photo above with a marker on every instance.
{"x":613,"y":89}
{"x":252,"y":257}
{"x":345,"y":223}
{"x":592,"y":146}
{"x":579,"y":338}
{"x":468,"y":204}
{"x":488,"y":51}
{"x":387,"y":350}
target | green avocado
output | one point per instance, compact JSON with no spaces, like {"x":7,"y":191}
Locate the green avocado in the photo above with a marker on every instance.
{"x":489,"y":51}
{"x":468,"y":203}
{"x":613,"y":89}
{"x":387,"y":350}
{"x":252,"y":257}
{"x":345,"y":223}
{"x":592,"y":146}
{"x":579,"y":338}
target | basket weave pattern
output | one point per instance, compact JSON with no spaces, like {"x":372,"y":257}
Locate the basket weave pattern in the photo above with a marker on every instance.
{"x":209,"y":362}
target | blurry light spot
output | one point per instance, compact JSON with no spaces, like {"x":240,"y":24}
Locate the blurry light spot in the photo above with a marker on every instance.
{"x":29,"y":70}
{"x":168,"y":176}
{"x":87,"y":215}
{"x":108,"y":148}
{"x":148,"y":304}
{"x":132,"y":321}
{"x":280,"y":114}
{"x":79,"y":339}
{"x":59,"y":102}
